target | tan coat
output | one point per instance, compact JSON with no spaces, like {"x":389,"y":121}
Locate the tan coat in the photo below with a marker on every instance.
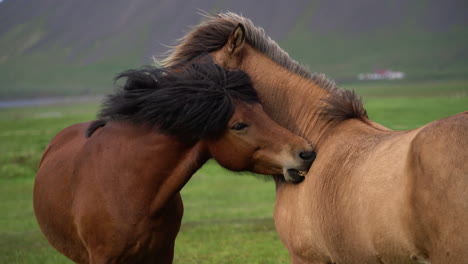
{"x":373,"y":195}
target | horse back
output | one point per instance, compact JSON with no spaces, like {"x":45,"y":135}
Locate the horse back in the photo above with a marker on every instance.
{"x":438,"y":165}
{"x":68,"y":136}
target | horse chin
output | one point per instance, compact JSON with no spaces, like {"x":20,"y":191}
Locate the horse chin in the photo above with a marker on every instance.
{"x":294,"y":176}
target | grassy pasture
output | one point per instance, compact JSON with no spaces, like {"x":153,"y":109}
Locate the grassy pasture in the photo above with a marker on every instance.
{"x":228,"y":217}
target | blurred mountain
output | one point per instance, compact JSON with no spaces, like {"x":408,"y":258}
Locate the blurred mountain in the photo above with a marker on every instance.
{"x":69,"y":47}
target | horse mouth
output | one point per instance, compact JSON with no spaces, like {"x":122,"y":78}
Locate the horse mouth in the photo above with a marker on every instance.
{"x":294,"y":176}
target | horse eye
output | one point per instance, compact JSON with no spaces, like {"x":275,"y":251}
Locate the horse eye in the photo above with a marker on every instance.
{"x":239,"y":126}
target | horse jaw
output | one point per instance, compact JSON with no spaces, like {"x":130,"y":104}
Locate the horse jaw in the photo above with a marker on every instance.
{"x":293,"y":175}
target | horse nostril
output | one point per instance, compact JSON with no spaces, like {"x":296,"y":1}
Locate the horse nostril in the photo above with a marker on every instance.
{"x":307,"y":155}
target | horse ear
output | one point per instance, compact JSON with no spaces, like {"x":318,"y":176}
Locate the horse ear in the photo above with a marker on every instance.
{"x":236,"y":40}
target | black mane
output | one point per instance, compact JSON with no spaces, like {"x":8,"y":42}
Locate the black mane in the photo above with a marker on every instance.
{"x":194,"y":101}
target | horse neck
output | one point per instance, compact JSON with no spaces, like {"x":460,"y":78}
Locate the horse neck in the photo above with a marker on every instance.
{"x":187,"y":160}
{"x":290,"y":100}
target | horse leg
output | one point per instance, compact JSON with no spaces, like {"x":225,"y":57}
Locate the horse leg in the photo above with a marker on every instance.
{"x":169,"y":219}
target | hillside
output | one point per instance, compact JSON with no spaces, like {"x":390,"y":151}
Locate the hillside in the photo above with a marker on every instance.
{"x":76,"y":47}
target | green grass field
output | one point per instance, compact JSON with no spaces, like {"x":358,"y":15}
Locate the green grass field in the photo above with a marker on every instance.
{"x":228,"y":217}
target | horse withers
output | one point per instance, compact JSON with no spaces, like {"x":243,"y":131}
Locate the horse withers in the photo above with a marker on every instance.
{"x":112,"y":196}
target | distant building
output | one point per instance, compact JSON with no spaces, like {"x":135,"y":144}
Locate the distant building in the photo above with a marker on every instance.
{"x":381,"y":75}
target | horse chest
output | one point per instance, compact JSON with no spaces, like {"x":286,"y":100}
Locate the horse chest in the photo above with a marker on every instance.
{"x":315,"y":238}
{"x":300,"y":232}
{"x":315,"y":226}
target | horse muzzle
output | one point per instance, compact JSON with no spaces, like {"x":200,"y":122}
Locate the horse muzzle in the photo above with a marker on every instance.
{"x":294,"y":176}
{"x":297,"y":174}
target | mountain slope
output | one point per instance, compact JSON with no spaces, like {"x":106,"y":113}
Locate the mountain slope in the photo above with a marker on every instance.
{"x":76,"y":47}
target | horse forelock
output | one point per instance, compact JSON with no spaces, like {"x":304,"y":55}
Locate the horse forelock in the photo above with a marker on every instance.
{"x":192,"y":102}
{"x":213,"y":33}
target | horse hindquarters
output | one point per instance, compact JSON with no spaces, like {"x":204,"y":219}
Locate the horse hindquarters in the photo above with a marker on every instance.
{"x":439,"y":168}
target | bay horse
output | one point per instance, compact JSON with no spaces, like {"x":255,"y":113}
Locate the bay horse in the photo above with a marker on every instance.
{"x":373,"y":195}
{"x":112,"y":196}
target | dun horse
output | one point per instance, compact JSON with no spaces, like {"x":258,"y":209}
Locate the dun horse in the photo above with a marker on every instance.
{"x":113,"y":196}
{"x":373,"y":195}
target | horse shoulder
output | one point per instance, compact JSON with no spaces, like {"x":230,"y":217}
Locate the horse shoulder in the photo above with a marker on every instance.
{"x":439,"y":170}
{"x":119,"y":171}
